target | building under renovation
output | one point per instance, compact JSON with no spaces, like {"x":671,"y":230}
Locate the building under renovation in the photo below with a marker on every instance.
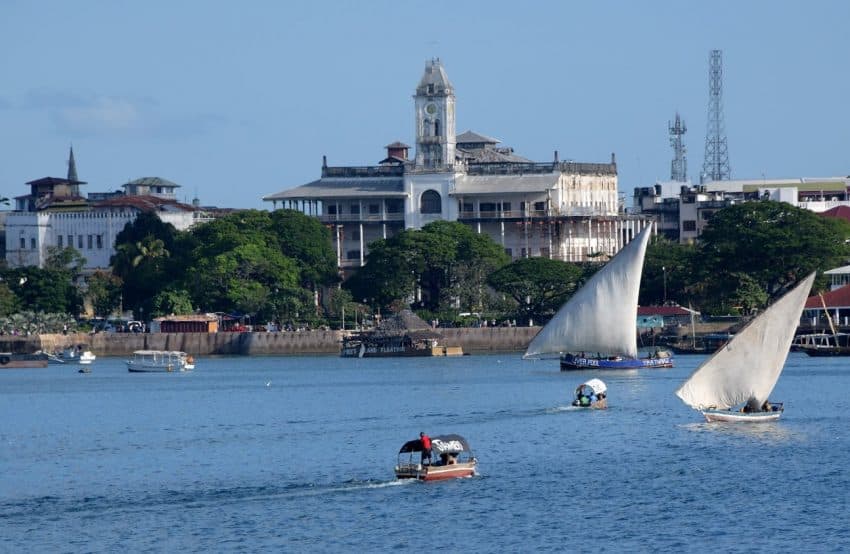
{"x":564,"y":210}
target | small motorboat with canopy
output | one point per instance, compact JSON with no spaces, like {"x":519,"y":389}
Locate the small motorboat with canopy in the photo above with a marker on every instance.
{"x":592,"y":394}
{"x":450,"y":457}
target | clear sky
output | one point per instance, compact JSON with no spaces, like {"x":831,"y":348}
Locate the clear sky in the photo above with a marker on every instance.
{"x":237,"y":100}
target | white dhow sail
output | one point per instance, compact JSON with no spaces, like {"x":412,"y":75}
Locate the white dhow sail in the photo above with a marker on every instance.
{"x":747,"y":368}
{"x":602,"y":315}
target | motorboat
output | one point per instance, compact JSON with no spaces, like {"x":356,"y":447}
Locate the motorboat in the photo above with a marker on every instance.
{"x":147,"y":361}
{"x":449,"y":457}
{"x":592,"y":394}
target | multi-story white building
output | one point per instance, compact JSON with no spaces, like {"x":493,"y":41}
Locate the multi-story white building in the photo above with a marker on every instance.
{"x":559,"y":209}
{"x":54,"y":214}
{"x":683,"y":211}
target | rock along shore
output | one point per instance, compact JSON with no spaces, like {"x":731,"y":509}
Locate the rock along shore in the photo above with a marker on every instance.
{"x":485,"y":339}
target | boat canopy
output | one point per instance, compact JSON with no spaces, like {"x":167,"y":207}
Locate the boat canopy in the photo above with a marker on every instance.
{"x":442,"y":444}
{"x":596,"y":385}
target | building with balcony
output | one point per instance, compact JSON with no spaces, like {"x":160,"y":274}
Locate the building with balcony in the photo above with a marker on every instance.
{"x":55,"y":214}
{"x":564,"y":210}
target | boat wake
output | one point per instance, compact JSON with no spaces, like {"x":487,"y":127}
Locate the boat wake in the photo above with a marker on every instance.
{"x":54,"y":506}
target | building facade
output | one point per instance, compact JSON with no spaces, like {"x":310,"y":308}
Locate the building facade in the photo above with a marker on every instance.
{"x":563,"y":210}
{"x":55,"y":214}
{"x":683,"y":211}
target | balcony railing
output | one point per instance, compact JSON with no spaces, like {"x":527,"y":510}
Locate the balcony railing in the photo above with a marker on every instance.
{"x":364,"y":218}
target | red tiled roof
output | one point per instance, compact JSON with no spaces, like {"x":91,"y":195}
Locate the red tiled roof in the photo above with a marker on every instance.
{"x":838,"y":298}
{"x":840,"y":212}
{"x":665,"y":311}
{"x":144,"y":203}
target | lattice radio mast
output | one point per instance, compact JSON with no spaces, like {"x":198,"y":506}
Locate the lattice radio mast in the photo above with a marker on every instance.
{"x":715,"y":166}
{"x":679,"y":165}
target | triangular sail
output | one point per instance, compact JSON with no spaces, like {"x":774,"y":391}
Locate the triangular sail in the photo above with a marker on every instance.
{"x":747,"y":368}
{"x":602,"y":315}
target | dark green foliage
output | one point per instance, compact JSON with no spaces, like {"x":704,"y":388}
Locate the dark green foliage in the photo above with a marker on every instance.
{"x":104,"y":293}
{"x":539,"y":286}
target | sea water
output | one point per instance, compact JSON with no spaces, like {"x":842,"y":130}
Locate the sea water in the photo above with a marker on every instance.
{"x":294,"y":454}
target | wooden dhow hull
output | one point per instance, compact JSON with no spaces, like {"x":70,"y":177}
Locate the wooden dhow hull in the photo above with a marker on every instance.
{"x":435,"y":472}
{"x":728,"y":416}
{"x":571,"y":362}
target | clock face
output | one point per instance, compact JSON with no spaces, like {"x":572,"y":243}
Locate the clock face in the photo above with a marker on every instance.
{"x":431,"y":109}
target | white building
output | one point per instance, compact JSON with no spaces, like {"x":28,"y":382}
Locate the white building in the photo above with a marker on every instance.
{"x":54,"y":214}
{"x":564,"y":210}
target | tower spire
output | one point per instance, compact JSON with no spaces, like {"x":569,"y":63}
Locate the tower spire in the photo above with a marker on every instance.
{"x":679,"y":165}
{"x":715,"y":166}
{"x":72,"y":166}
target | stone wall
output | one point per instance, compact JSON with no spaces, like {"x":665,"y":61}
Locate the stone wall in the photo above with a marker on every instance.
{"x":491,"y":339}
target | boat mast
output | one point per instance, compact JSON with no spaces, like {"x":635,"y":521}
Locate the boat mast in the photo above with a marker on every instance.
{"x":828,"y":318}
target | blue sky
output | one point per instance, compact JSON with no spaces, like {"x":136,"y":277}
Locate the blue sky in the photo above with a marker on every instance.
{"x":234,"y":101}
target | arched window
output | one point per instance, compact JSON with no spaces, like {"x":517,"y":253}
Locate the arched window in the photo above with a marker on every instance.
{"x":436,"y":127}
{"x":430,"y":202}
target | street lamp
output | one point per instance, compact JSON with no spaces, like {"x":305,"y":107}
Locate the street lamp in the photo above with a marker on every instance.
{"x":664,"y":276}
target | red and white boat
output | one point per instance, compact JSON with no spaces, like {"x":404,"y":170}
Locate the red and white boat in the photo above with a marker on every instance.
{"x":449,"y":458}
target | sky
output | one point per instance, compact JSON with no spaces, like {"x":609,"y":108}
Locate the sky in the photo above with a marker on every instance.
{"x":237,"y":100}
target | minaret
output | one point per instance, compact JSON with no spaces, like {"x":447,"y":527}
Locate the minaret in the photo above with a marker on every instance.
{"x":72,"y":167}
{"x":435,"y":118}
{"x":679,"y":165}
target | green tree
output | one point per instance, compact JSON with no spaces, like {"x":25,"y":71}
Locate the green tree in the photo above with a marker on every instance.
{"x":773,"y":243}
{"x":9,"y":303}
{"x":308,"y":242}
{"x":68,"y":258}
{"x":668,"y":272}
{"x":446,"y":261}
{"x":104,"y":292}
{"x":539,"y":286}
{"x":171,"y":301}
{"x":43,"y":290}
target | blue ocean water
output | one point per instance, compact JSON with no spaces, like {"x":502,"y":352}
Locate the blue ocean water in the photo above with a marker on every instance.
{"x":290,"y":454}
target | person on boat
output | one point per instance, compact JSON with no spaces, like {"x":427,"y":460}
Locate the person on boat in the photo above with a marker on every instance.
{"x":766,"y":407}
{"x":426,"y":447}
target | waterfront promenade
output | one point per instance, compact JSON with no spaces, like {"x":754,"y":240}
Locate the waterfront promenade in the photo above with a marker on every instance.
{"x":485,"y":339}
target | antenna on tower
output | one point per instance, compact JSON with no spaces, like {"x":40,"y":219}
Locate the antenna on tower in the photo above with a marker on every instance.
{"x":679,"y":165}
{"x":715,"y":166}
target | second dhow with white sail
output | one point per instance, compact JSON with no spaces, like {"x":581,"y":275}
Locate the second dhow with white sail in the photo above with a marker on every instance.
{"x":747,"y":368}
{"x":597,"y":327}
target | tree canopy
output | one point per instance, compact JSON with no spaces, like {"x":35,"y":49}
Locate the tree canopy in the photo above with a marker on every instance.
{"x":539,"y":286}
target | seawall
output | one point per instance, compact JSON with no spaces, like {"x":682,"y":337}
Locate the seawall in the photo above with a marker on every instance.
{"x":489,"y":339}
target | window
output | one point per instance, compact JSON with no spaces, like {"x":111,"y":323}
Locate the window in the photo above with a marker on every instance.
{"x":355,"y":235}
{"x":689,"y":225}
{"x":332,"y":209}
{"x":544,"y":252}
{"x":522,"y":206}
{"x":23,"y":243}
{"x":100,"y":241}
{"x":509,"y":252}
{"x":59,"y":241}
{"x":352,"y":255}
{"x":32,"y":243}
{"x":466,"y":207}
{"x":539,"y":206}
{"x":79,"y":242}
{"x":374,"y":208}
{"x":395,"y":206}
{"x":355,"y":209}
{"x":487,"y":206}
{"x":506,"y":206}
{"x":706,"y":215}
{"x":70,"y":241}
{"x":430,"y":202}
{"x":89,"y":242}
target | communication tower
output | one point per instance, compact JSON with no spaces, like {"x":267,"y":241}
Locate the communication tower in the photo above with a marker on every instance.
{"x":715,"y":166}
{"x":679,"y":165}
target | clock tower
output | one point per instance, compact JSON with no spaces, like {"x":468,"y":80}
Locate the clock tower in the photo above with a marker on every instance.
{"x":435,"y":118}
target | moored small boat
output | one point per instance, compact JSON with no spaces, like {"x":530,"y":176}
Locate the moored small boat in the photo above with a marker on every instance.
{"x":448,"y":458}
{"x":155,"y":361}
